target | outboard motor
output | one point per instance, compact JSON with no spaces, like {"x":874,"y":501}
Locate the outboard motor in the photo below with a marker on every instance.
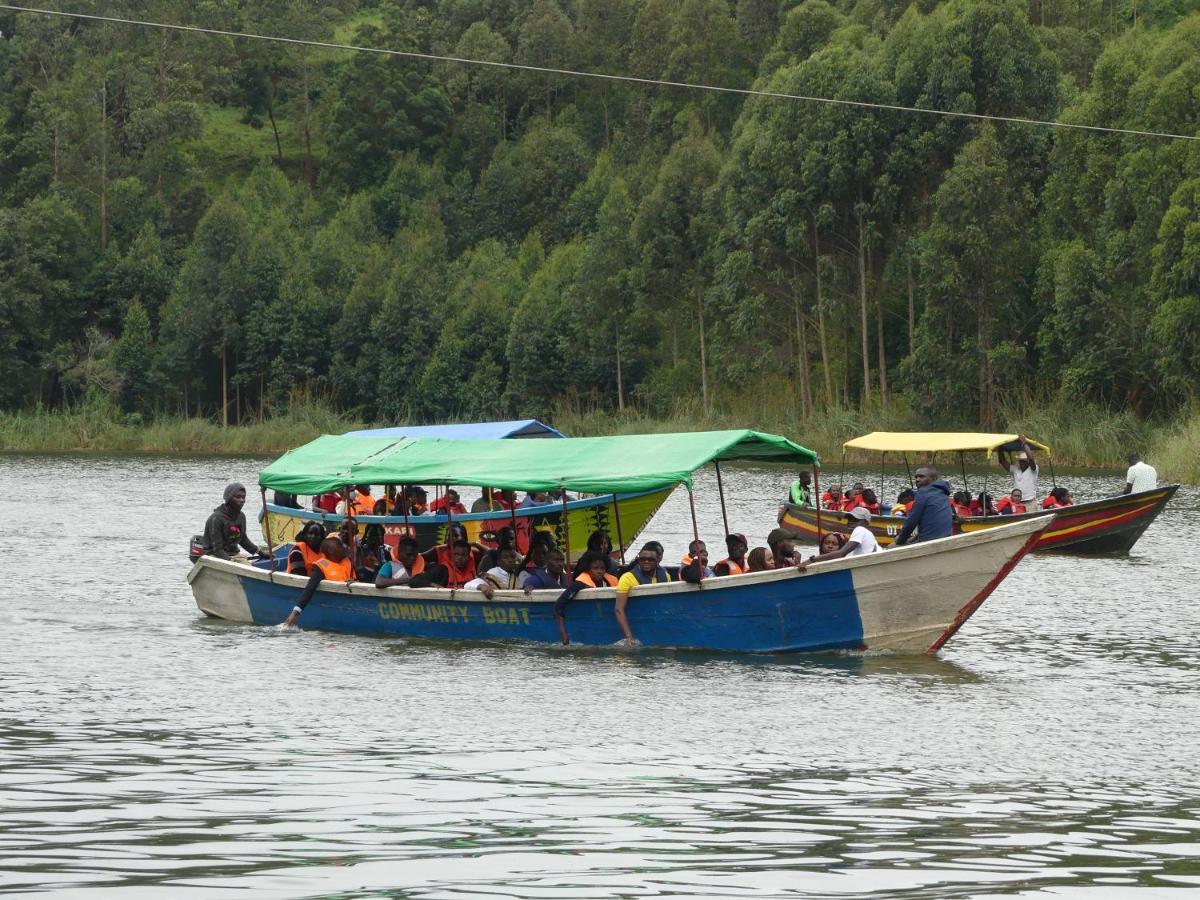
{"x":196,"y":547}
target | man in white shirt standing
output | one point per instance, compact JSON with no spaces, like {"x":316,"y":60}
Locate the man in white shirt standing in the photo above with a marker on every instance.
{"x":1140,"y":477}
{"x":1023,"y":468}
{"x":861,"y":542}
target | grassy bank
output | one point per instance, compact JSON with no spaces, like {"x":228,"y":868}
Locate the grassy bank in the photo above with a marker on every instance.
{"x":1080,"y":436}
{"x":100,"y":428}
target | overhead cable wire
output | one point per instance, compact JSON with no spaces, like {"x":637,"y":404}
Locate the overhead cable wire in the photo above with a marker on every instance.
{"x":602,"y":76}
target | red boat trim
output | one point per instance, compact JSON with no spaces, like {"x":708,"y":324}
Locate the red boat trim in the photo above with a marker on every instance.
{"x":975,"y":602}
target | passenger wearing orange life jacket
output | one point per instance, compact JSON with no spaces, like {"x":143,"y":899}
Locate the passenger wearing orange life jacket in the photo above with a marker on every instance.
{"x":960,"y":504}
{"x":867,"y":500}
{"x":1059,"y":498}
{"x":1011,"y":505}
{"x":735,"y":563}
{"x":904,"y":502}
{"x":307,"y":549}
{"x":832,"y":498}
{"x":334,"y":565}
{"x":850,"y":500}
{"x":460,"y":567}
{"x":361,"y":501}
{"x":406,"y":565}
{"x":697,"y":558}
{"x":594,"y":574}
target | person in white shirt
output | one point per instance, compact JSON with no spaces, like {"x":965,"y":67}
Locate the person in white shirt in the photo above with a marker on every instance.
{"x":861,"y":542}
{"x":1023,"y":468}
{"x":504,"y":576}
{"x":1140,"y":477}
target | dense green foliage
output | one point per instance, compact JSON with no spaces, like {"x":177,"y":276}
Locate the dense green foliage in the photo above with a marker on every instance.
{"x":215,"y":226}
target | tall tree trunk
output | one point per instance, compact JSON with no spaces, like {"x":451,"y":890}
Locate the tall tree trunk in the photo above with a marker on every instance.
{"x":912,"y":314}
{"x":224,"y":386}
{"x":881,"y":358}
{"x":308,"y":157}
{"x":703,"y":352}
{"x":274,"y":125}
{"x":821,"y":334}
{"x":862,"y":296}
{"x":987,"y":412}
{"x":104,"y":162}
{"x":805,"y":382}
{"x":620,"y":373}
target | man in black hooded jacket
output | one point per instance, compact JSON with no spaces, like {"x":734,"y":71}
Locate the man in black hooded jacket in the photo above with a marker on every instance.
{"x":931,"y":515}
{"x":226,"y":527}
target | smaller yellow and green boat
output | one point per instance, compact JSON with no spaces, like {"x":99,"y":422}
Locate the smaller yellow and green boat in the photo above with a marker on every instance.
{"x":1108,"y":525}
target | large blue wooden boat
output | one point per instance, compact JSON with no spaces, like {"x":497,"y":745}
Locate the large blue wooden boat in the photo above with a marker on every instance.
{"x":908,"y":600}
{"x":911,"y":599}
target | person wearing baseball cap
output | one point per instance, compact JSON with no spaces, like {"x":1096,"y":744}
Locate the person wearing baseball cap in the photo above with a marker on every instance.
{"x":735,"y":563}
{"x":862,"y":540}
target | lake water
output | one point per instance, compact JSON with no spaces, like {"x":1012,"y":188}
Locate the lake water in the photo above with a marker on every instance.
{"x":1051,"y":750}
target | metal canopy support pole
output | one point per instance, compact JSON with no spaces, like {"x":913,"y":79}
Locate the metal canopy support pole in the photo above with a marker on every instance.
{"x":721,"y":494}
{"x":692,"y":504}
{"x":842,"y":476}
{"x":908,"y":472}
{"x":513,"y":516}
{"x":449,"y":535}
{"x":962,"y":461}
{"x":566,"y":523}
{"x":617,"y":517}
{"x":882,"y":492}
{"x":1053,"y":480}
{"x":347,"y":519}
{"x":982,"y":497}
{"x":817,"y":494}
{"x":267,"y":529}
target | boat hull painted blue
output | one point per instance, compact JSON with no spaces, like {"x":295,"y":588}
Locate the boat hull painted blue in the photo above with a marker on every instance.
{"x":807,"y":614}
{"x":911,"y":600}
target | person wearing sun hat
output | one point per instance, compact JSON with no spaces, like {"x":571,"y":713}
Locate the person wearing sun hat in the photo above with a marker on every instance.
{"x":1023,"y":468}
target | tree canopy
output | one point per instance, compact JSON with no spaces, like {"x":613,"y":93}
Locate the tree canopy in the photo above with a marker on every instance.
{"x":219,"y":226}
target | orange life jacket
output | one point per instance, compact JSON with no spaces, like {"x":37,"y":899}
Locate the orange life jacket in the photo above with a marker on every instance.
{"x":416,"y":568}
{"x":309,"y":554}
{"x":734,"y":568}
{"x":963,"y":512}
{"x":1052,"y":503}
{"x":456,"y":578}
{"x":339,"y":571}
{"x":848,"y":504}
{"x":586,"y":578}
{"x":829,"y":502}
{"x":363,"y":505}
{"x":1007,"y":504}
{"x":445,"y":557}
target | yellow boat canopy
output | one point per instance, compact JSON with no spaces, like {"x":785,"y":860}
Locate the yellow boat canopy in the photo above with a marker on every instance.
{"x":937,"y":442}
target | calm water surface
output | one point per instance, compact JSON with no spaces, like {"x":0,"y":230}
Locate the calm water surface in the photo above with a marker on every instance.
{"x":1051,"y":750}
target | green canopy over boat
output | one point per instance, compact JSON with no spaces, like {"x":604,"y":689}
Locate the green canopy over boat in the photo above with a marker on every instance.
{"x":601,"y":465}
{"x":321,"y":465}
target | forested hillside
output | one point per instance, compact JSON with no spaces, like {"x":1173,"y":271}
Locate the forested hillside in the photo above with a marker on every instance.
{"x":220,"y":226}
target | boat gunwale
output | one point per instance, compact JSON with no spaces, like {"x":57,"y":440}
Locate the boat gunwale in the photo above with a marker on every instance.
{"x":1057,"y":512}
